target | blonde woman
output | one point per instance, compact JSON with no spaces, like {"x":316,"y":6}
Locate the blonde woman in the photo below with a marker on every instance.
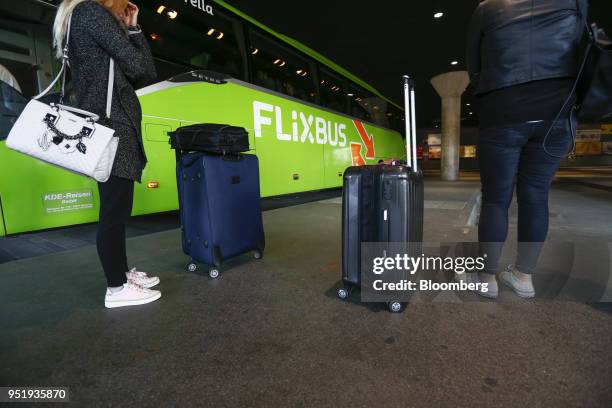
{"x":100,"y":30}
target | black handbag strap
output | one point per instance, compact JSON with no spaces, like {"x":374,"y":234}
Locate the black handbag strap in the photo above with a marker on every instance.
{"x":585,"y":58}
{"x":583,"y":16}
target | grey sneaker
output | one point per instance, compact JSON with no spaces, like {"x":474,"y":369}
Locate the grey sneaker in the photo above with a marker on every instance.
{"x":523,"y":288}
{"x":472,"y":277}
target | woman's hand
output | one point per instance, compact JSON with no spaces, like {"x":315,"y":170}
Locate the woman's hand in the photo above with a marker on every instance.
{"x":131,"y":15}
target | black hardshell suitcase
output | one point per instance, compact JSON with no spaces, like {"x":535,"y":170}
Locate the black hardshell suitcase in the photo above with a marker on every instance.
{"x":210,"y":138}
{"x":382,"y":203}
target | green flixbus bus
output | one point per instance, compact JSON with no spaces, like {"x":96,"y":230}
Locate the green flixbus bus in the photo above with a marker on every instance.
{"x":308,"y":118}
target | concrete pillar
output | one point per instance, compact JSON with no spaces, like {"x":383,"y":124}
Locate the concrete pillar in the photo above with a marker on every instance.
{"x":450,"y":86}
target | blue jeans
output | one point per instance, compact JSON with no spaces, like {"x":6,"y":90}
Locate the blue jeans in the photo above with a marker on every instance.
{"x":509,"y":156}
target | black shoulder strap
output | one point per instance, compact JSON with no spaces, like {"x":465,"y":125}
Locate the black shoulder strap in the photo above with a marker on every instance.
{"x":585,"y":58}
{"x":583,"y":14}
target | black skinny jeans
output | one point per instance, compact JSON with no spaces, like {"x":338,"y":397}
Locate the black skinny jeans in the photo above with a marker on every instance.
{"x":116,"y":197}
{"x":511,"y":156}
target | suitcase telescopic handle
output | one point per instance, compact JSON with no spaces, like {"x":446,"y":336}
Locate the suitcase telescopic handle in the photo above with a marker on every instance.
{"x":410,"y":120}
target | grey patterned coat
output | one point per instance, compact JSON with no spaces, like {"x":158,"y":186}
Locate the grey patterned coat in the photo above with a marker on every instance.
{"x":95,"y":36}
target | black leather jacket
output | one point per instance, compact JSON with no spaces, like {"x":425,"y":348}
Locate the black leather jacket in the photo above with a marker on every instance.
{"x":511,"y":42}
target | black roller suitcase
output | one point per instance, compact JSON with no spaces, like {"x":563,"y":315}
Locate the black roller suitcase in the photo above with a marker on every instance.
{"x":382,"y":203}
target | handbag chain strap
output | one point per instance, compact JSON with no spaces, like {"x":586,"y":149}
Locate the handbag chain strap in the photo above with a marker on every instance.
{"x":51,"y":126}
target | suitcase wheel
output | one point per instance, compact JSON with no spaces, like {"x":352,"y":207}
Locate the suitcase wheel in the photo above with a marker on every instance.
{"x":258,"y":254}
{"x":395,"y":306}
{"x":191,"y":267}
{"x":344,"y":293}
{"x":213,"y":273}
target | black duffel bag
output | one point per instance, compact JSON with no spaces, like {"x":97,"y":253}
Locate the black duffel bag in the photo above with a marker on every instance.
{"x":210,"y":138}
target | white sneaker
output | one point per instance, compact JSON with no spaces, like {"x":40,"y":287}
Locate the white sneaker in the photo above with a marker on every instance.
{"x":130,"y":295}
{"x":141,"y":278}
{"x":472,"y":277}
{"x":523,"y":288}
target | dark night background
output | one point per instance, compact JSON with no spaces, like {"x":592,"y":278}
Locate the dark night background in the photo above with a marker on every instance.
{"x":381,"y":41}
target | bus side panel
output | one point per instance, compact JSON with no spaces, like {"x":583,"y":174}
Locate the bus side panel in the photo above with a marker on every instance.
{"x":337,"y":159}
{"x":290,"y":161}
{"x":36,"y":195}
{"x":2,"y":230}
{"x":285,"y":166}
{"x":157,"y":192}
{"x":300,"y":147}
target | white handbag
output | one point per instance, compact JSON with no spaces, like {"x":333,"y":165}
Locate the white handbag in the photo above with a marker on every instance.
{"x":64,"y":136}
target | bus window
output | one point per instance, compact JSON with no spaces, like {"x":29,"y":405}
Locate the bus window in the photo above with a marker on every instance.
{"x":332,"y":91}
{"x":185,"y":38}
{"x":12,"y":103}
{"x":370,"y":107}
{"x":279,"y":69}
{"x":395,"y":116}
{"x":20,"y":74}
{"x":359,"y":103}
{"x":167,"y":69}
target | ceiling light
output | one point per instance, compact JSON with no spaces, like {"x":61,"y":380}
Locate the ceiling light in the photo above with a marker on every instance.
{"x":154,"y":36}
{"x":471,"y":113}
{"x":322,"y":81}
{"x":220,"y":36}
{"x":439,"y":14}
{"x":468,"y":104}
{"x":172,"y":14}
{"x":254,"y":51}
{"x":279,"y":62}
{"x":454,"y":62}
{"x":351,"y":95}
{"x":211,"y":31}
{"x":161,"y":9}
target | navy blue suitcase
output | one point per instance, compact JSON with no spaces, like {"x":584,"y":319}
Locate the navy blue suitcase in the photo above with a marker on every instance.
{"x":220,"y":208}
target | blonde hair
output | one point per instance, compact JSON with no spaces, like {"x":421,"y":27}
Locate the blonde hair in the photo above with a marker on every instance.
{"x":60,"y":25}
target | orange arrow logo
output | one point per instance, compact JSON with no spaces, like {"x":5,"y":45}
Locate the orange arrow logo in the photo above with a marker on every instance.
{"x":356,"y":153}
{"x":367,"y":140}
